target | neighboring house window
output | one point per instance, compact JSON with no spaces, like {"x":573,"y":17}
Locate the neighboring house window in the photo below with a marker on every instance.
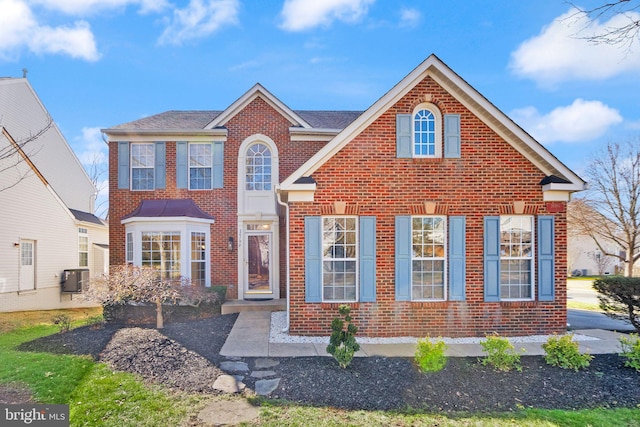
{"x":339,"y":258}
{"x":258,"y":168}
{"x":198,"y":258}
{"x":161,"y":250}
{"x":516,"y":257}
{"x":428,"y":235}
{"x":200,"y":166}
{"x":129,"y":248}
{"x":142,"y":166}
{"x":83,"y":247}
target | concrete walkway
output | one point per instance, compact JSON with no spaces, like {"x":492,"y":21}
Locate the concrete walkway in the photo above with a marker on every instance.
{"x":250,"y":338}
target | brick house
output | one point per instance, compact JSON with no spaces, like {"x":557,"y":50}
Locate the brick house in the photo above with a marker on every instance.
{"x":430,"y":213}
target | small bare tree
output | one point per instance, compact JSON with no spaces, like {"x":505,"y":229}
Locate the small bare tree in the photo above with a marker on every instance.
{"x":601,"y":261}
{"x":627,"y":29}
{"x":134,"y":284}
{"x":14,"y":153}
{"x":610,"y":210}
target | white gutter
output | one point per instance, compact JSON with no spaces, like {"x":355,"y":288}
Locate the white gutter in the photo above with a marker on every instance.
{"x":286,"y":207}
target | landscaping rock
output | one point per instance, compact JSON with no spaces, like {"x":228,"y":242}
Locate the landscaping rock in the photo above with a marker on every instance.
{"x":263,"y":363}
{"x":226,"y":384}
{"x":231,"y":366}
{"x":262,"y":374}
{"x":266,"y":387}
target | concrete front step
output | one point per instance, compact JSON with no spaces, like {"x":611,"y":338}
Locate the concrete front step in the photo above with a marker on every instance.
{"x":238,"y":306}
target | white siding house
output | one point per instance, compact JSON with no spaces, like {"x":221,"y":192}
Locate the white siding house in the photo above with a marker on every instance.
{"x":46,"y":204}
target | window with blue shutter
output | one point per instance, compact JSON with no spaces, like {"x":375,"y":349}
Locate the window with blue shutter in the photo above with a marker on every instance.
{"x":452,"y":135}
{"x":313,"y":259}
{"x":182,"y":165}
{"x":123,"y":165}
{"x":403,"y":258}
{"x":159,"y":166}
{"x":403,"y":136}
{"x":367,"y":258}
{"x":492,"y":258}
{"x":546,"y":263}
{"x":457,"y":258}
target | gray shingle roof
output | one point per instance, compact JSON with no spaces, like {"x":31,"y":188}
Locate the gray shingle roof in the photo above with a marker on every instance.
{"x":86,"y":217}
{"x":177,"y":120}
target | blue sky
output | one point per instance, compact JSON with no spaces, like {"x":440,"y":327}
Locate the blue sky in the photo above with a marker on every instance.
{"x":99,"y":63}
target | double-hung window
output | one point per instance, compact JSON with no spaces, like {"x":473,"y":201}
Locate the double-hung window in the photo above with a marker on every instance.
{"x":516,"y":257}
{"x":339,"y":258}
{"x":428,"y":243}
{"x":200,"y":166}
{"x":83,"y":247}
{"x":142,"y":166}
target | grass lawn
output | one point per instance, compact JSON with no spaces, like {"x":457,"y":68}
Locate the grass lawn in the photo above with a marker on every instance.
{"x":98,"y":396}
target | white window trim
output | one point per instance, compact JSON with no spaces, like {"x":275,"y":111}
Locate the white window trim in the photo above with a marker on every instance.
{"x":438,"y":130}
{"x":531,"y":258}
{"x":444,"y":259}
{"x":356,"y":258}
{"x":189,"y":167}
{"x":131,"y":167}
{"x":137,"y":226}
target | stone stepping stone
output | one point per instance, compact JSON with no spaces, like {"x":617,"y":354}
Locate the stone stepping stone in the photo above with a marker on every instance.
{"x":232,"y":366}
{"x":263,"y":363}
{"x":228,"y":412}
{"x":266,"y":387}
{"x":262,"y":374}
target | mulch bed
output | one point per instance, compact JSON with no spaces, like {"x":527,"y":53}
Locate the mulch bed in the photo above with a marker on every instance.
{"x":186,"y":355}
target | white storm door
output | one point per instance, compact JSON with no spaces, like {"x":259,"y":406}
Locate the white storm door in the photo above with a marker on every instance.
{"x":259,"y":268}
{"x":27,"y":265}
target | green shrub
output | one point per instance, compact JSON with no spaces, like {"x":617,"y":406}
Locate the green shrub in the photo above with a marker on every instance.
{"x":342,"y":343}
{"x":501,"y":354}
{"x":430,"y":355}
{"x":563,"y":352}
{"x":631,"y":351}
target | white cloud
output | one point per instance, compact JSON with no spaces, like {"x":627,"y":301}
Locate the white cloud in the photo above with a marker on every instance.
{"x":91,"y":148}
{"x":409,"y":17}
{"x":89,"y":7}
{"x":19,"y":29}
{"x":300,"y":15}
{"x":560,"y":52}
{"x":199,"y":19}
{"x":579,"y":122}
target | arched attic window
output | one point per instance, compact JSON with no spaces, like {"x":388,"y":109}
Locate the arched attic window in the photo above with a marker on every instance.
{"x":258,"y":168}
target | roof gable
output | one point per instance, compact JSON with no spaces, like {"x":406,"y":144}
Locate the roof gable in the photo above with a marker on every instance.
{"x":258,"y":91}
{"x":463,"y":92}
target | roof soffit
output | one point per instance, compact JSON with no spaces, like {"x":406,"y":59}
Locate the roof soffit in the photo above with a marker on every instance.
{"x":258,"y":91}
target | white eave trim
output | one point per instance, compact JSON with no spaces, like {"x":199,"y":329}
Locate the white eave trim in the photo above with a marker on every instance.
{"x":562,"y":187}
{"x":257,"y":91}
{"x":127,"y":135}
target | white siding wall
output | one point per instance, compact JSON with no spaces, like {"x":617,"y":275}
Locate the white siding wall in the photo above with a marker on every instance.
{"x":30,"y":210}
{"x":22,"y":114}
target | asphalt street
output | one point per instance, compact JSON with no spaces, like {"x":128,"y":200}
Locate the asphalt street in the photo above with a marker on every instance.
{"x":581,"y":290}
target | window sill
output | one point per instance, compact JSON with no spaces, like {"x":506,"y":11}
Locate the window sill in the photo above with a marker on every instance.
{"x":335,"y":305}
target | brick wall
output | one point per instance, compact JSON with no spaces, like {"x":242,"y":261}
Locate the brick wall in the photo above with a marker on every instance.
{"x":486,"y":180}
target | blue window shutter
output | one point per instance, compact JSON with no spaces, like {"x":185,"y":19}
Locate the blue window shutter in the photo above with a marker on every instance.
{"x":313,"y":259}
{"x":159,"y":167}
{"x":123,"y":165}
{"x":403,"y":258}
{"x":492,"y":258}
{"x":403,"y":136}
{"x":367,"y":258}
{"x":457,"y":258}
{"x":546,"y":263}
{"x":218,"y":164}
{"x":452,"y":135}
{"x":182,"y":168}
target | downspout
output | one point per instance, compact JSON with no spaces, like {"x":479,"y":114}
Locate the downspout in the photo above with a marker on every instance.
{"x":286,"y":207}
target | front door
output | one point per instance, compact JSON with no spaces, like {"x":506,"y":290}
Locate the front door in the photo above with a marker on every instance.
{"x":259,"y":274}
{"x":27,"y":265}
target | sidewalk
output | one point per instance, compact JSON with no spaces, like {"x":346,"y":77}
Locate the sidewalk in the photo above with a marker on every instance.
{"x":250,"y":338}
